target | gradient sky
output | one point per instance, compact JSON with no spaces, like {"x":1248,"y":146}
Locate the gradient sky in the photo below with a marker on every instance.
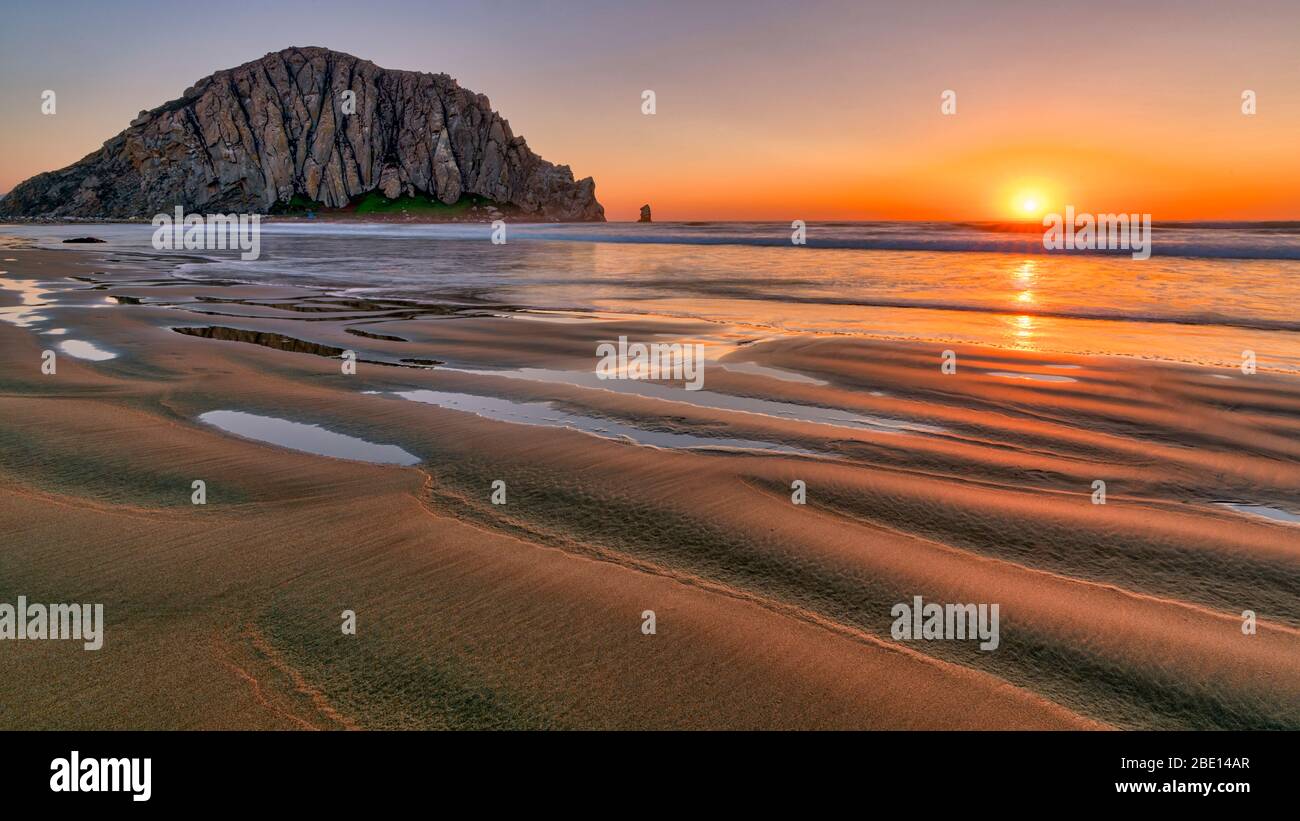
{"x":766,"y":110}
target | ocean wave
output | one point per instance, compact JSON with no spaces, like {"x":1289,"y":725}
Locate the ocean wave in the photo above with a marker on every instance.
{"x":1264,"y":240}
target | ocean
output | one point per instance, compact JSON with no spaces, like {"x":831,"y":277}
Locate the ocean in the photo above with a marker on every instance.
{"x":1209,"y":291}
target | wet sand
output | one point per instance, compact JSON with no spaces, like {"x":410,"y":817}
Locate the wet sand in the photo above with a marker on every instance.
{"x":968,"y":487}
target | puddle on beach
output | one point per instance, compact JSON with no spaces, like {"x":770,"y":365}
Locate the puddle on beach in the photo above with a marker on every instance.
{"x":307,"y":438}
{"x":558,"y":317}
{"x":814,"y":414}
{"x":546,"y":414}
{"x":32,"y":298}
{"x":774,"y":373}
{"x":82,"y":349}
{"x":1273,"y":514}
{"x":1037,"y":377}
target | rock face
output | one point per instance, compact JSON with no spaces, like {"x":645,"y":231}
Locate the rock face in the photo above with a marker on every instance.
{"x":283,"y":126}
{"x":645,"y":214}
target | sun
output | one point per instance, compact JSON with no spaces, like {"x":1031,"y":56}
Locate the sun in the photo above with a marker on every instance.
{"x":1026,"y":198}
{"x":1028,"y":204}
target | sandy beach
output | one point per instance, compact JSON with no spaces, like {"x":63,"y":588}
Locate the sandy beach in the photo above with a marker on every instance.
{"x":622,"y":497}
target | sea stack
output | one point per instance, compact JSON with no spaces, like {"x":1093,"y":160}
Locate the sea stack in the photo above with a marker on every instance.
{"x":645,"y":214}
{"x":316,"y":126}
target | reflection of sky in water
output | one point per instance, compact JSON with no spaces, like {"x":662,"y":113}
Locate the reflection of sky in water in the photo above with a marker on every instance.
{"x":748,"y":276}
{"x":834,"y":417}
{"x":304,"y":437}
{"x":1036,"y":377}
{"x":774,"y":373}
{"x":31,"y":297}
{"x":1271,"y":513}
{"x":1021,"y":331}
{"x":82,"y":349}
{"x":547,"y":414}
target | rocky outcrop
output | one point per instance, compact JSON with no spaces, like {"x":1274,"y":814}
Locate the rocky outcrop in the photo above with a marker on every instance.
{"x":645,"y":214}
{"x":285,"y":127}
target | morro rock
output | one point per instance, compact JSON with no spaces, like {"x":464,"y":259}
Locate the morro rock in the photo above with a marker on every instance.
{"x":316,"y":125}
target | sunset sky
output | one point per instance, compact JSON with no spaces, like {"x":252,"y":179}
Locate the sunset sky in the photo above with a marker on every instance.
{"x":766,"y":110}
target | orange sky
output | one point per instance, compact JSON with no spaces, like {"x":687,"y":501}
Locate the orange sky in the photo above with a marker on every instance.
{"x":1207,"y":161}
{"x":770,"y":110}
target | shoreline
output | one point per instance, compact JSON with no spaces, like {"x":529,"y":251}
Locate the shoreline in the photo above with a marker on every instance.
{"x":1208,"y":333}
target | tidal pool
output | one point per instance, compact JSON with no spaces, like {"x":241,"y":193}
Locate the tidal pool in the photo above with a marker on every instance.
{"x":305,"y":437}
{"x":1038,"y":377}
{"x":814,"y":414}
{"x":1262,"y":511}
{"x":82,"y":349}
{"x":547,"y":415}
